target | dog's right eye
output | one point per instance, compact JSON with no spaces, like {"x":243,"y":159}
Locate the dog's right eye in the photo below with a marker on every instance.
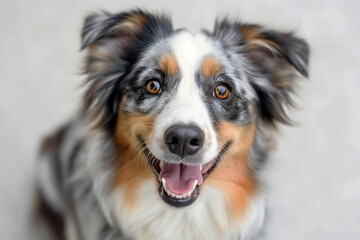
{"x":153,"y":86}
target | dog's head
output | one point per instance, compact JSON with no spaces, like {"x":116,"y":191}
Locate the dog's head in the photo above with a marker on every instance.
{"x":187,"y":105}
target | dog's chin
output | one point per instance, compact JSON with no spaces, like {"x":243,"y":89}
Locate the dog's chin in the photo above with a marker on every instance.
{"x":186,"y":195}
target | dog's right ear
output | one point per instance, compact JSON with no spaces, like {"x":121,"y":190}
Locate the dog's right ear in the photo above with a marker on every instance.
{"x":114,"y":42}
{"x":121,"y":26}
{"x":108,"y":35}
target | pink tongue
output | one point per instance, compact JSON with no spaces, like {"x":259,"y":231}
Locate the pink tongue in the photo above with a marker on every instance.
{"x":180,"y":178}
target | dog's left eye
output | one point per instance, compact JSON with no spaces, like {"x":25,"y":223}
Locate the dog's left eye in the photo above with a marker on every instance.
{"x":153,"y":86}
{"x":222,"y":92}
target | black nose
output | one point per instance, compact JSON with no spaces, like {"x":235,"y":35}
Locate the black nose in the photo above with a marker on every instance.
{"x":184,"y":140}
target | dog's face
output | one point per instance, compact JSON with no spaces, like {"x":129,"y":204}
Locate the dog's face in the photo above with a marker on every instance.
{"x":187,"y":106}
{"x":183,"y":92}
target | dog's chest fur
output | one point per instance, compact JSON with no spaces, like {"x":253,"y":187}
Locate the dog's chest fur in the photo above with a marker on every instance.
{"x":100,"y":217}
{"x":208,"y":218}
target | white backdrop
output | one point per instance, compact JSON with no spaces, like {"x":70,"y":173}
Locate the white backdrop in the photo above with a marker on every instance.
{"x":314,"y":178}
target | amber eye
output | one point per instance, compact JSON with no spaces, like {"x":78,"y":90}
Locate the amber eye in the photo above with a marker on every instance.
{"x":153,"y":86}
{"x":222,"y":92}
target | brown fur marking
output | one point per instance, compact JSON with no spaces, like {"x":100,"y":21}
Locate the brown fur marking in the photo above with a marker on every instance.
{"x":131,"y":25}
{"x":210,"y":67}
{"x":132,"y":170}
{"x":168,"y":64}
{"x":234,"y":176}
{"x":99,"y":57}
{"x":268,"y":57}
{"x":254,"y":38}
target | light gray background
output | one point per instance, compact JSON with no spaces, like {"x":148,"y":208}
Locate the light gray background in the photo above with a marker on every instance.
{"x":314,"y":177}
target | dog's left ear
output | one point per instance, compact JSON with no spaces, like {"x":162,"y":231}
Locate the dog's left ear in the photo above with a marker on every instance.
{"x":277,"y":60}
{"x":273,"y":51}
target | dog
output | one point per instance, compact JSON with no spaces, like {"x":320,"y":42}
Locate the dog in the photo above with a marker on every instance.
{"x":174,"y":131}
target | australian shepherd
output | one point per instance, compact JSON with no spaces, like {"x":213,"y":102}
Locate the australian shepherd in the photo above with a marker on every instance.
{"x":174,"y":132}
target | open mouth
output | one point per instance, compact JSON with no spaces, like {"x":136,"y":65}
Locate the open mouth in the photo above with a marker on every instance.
{"x":180,"y":183}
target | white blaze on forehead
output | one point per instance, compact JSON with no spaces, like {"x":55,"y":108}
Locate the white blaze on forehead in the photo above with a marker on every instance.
{"x":188,"y":49}
{"x":187,"y":106}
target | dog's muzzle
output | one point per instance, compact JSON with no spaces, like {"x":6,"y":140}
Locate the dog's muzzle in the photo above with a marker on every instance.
{"x":182,"y":173}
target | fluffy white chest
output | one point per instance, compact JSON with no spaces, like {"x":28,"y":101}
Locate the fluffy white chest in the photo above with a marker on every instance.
{"x":207,"y":218}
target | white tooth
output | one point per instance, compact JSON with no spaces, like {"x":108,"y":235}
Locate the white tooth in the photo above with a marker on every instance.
{"x":201,"y":167}
{"x":161,"y":164}
{"x":163,"y":182}
{"x":194,"y":185}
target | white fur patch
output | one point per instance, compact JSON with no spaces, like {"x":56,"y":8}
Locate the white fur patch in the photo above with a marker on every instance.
{"x":187,"y":106}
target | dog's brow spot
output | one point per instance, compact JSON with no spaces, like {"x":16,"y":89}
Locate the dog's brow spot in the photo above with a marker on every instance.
{"x":168,"y":64}
{"x":211,"y":67}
